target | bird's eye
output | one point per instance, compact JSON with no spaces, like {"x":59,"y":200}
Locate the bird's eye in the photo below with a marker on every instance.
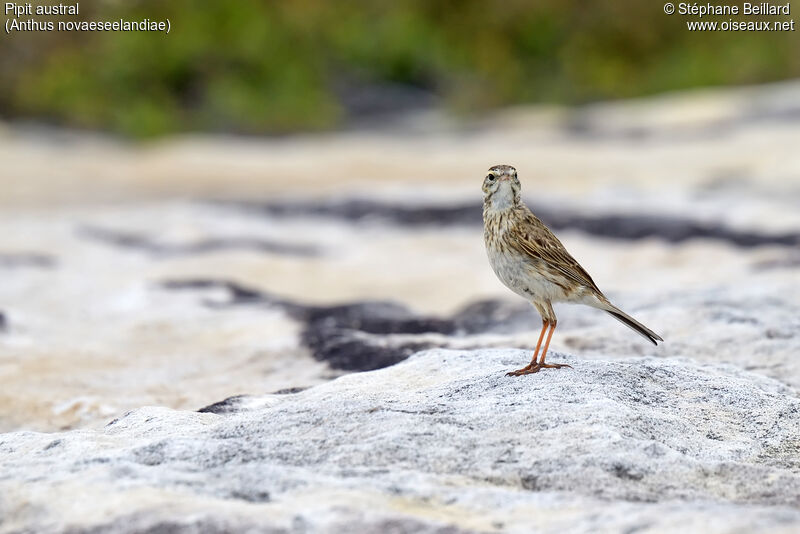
{"x":490,"y":177}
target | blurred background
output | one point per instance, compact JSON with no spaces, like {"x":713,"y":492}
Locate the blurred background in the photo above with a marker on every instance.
{"x":260,"y":67}
{"x":226,"y":209}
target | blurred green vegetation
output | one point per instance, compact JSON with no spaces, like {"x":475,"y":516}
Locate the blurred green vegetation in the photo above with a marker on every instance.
{"x":270,"y":67}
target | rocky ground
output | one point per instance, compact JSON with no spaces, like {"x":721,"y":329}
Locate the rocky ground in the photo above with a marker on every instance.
{"x":258,"y":271}
{"x":442,"y":442}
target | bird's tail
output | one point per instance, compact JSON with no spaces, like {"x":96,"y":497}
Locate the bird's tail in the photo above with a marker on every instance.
{"x":631,"y":323}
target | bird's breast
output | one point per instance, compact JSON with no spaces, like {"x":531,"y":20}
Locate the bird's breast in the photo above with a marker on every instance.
{"x":524,"y":275}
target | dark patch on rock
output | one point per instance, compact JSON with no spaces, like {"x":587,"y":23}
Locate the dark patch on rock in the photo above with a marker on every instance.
{"x":140,"y":242}
{"x":342,"y":351}
{"x":251,"y":495}
{"x":26,"y":260}
{"x":627,"y":227}
{"x":53,"y":444}
{"x":96,"y":460}
{"x":154,"y":454}
{"x":626,"y":472}
{"x":237,"y":293}
{"x":229,"y":405}
{"x":776,"y":333}
{"x":359,"y":336}
{"x":530,"y":482}
{"x":352,"y":337}
{"x":3,"y":322}
{"x":289,"y":391}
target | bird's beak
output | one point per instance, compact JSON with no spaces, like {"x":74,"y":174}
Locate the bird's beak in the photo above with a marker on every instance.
{"x":505,"y":177}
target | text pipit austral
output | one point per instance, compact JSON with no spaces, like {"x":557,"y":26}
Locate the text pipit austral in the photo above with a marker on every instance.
{"x":532,"y":262}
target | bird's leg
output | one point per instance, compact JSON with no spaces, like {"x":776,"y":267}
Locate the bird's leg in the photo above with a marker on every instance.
{"x":541,"y":363}
{"x":532,"y":367}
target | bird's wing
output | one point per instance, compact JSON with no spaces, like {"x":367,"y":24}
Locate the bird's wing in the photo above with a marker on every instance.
{"x":535,"y":239}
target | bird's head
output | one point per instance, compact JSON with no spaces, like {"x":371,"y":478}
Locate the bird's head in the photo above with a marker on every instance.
{"x":501,"y":188}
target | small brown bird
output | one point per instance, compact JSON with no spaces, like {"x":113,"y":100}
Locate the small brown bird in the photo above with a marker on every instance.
{"x":532,"y":262}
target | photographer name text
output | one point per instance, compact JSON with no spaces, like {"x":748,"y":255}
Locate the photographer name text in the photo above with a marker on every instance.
{"x":763,"y":8}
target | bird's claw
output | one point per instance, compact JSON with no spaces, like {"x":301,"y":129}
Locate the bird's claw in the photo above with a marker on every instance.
{"x":528,"y":369}
{"x":535,"y":368}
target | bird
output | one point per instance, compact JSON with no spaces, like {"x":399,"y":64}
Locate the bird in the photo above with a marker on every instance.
{"x":529,"y":259}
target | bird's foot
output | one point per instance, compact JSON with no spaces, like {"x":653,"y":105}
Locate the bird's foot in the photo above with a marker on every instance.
{"x":528,"y":369}
{"x":535,"y":368}
{"x":553,"y":365}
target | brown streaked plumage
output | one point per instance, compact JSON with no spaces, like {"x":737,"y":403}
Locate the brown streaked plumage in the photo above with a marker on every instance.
{"x":530,"y":260}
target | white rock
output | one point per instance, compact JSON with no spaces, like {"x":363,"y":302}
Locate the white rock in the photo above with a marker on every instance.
{"x":442,"y":440}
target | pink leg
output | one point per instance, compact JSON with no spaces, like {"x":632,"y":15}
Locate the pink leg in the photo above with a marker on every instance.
{"x":532,"y":367}
{"x":544,"y":352}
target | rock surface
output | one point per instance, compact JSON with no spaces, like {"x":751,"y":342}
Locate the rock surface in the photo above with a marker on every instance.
{"x":442,"y":442}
